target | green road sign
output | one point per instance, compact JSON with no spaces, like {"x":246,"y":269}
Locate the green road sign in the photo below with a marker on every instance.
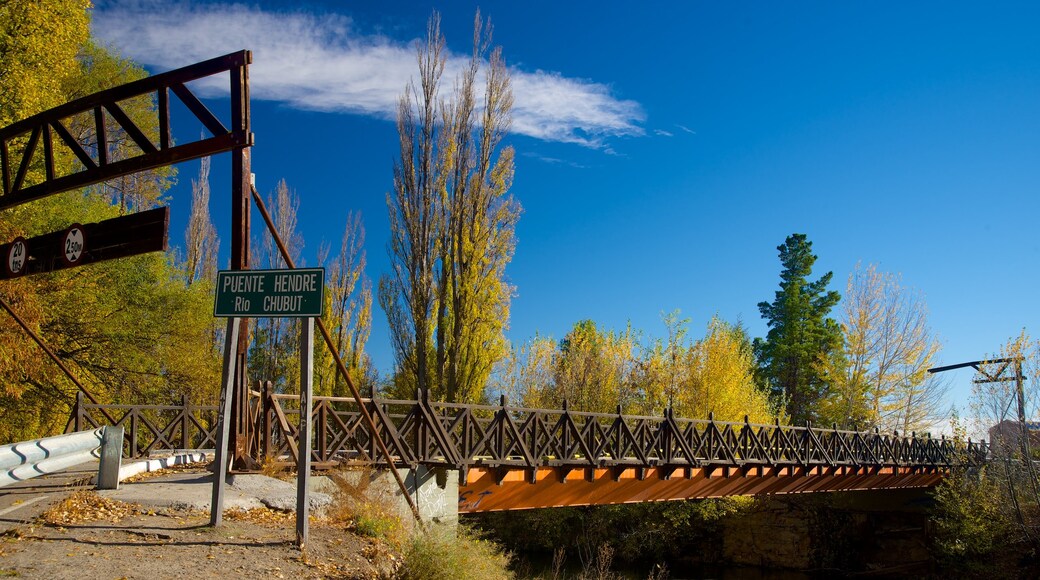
{"x":270,"y":293}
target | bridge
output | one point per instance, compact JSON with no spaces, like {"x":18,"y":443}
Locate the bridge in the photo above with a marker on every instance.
{"x":511,"y":458}
{"x":506,"y":457}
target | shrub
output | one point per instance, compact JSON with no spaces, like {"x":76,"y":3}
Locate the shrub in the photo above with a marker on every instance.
{"x":969,"y":520}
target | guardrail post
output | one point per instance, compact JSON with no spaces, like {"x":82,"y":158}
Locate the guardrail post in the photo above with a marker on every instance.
{"x":111,"y":457}
{"x":322,"y":431}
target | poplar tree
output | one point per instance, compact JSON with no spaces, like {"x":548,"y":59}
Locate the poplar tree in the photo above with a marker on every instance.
{"x":802,"y":338}
{"x":275,"y":345}
{"x":350,"y":310}
{"x":452,"y":224}
{"x":882,"y":380}
{"x":200,"y":237}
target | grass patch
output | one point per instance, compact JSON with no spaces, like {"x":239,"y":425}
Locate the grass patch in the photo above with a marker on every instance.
{"x":367,"y":514}
{"x":441,"y":554}
{"x":373,"y":521}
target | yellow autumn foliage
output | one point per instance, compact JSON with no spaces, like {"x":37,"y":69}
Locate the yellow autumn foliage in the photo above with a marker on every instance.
{"x":599,"y":371}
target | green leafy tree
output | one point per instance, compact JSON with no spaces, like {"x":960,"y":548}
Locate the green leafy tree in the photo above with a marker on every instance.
{"x":802,"y":337}
{"x":38,"y":46}
{"x":719,"y":378}
{"x":596,"y":370}
{"x":526,"y":374}
{"x":593,"y":367}
{"x":131,"y":330}
{"x":100,"y":69}
{"x":348,"y":315}
{"x":977,"y":515}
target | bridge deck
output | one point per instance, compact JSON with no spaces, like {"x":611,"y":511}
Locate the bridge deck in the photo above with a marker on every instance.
{"x":556,"y":488}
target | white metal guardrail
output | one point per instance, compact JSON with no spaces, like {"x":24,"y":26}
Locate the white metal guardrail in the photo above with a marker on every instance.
{"x":28,"y":459}
{"x":161,"y":463}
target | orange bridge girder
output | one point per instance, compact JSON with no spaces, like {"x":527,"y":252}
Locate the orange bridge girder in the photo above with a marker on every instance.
{"x":493,"y":489}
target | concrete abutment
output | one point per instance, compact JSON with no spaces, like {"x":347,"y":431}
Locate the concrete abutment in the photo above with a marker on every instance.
{"x":435,"y":491}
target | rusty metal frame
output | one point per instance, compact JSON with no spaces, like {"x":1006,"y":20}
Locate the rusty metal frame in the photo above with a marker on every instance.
{"x":49,"y":129}
{"x":369,"y":422}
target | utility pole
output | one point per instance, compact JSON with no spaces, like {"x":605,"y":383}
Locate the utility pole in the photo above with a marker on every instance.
{"x":1000,"y":376}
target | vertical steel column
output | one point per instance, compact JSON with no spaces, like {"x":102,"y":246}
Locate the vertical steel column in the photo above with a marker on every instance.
{"x":185,"y":422}
{"x":268,"y":416}
{"x":1022,"y":423}
{"x":240,"y":209}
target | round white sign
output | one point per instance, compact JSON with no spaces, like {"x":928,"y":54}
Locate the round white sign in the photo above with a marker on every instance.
{"x":17,"y":254}
{"x":73,"y":244}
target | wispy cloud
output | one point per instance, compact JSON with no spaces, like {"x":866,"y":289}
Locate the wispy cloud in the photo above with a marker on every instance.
{"x":686,"y":129}
{"x":322,"y":62}
{"x":662,"y":133}
{"x":554,"y":160}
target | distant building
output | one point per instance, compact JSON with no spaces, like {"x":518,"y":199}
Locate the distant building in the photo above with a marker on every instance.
{"x":1006,"y":436}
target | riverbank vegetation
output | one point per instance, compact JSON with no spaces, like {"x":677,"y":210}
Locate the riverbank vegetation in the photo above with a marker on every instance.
{"x":988,"y":520}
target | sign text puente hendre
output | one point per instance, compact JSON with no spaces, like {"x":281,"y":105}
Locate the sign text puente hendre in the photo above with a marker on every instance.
{"x":270,"y":293}
{"x":242,"y":294}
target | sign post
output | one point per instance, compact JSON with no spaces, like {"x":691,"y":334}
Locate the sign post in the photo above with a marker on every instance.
{"x":303,"y":466}
{"x":220,"y":460}
{"x":298,"y":293}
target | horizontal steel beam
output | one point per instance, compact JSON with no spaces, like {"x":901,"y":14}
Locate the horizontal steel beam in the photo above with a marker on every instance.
{"x":24,"y":144}
{"x":120,"y":237}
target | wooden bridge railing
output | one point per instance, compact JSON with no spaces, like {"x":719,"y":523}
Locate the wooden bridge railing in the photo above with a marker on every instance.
{"x":150,"y":428}
{"x":419,"y":432}
{"x":460,"y":436}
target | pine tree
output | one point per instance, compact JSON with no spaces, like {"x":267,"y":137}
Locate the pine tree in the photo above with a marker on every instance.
{"x":802,"y":338}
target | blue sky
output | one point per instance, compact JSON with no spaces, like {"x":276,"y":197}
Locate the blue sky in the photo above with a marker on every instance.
{"x":664,"y":149}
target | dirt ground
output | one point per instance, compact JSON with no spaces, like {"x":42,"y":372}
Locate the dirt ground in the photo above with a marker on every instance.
{"x":88,"y":536}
